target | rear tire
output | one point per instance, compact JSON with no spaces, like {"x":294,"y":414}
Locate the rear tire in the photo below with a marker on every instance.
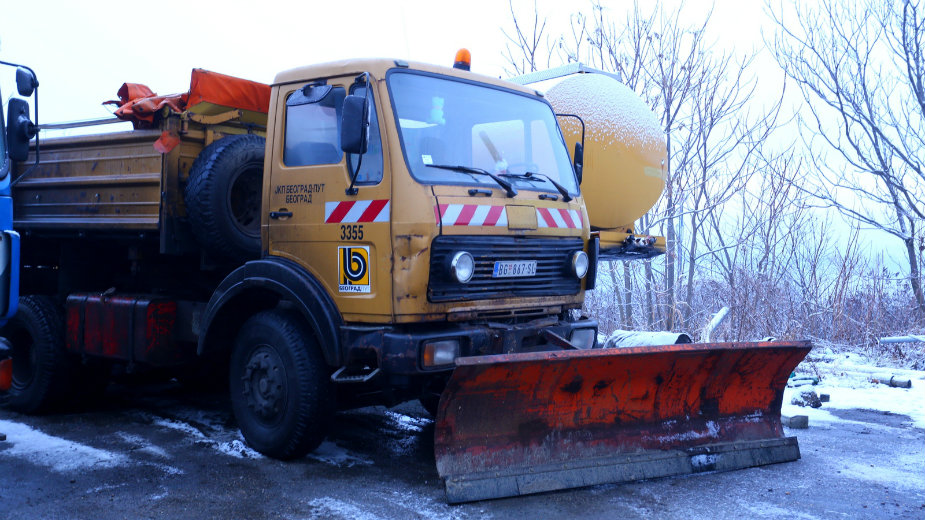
{"x":223,"y":197}
{"x":41,"y":368}
{"x":279,"y":383}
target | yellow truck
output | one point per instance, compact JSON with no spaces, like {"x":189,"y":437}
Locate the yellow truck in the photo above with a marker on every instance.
{"x":370,"y":232}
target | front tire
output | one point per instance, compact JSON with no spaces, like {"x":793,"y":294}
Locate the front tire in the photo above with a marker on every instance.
{"x":280,"y":389}
{"x":41,"y":370}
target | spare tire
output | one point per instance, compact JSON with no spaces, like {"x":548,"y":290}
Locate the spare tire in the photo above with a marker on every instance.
{"x":223,"y":197}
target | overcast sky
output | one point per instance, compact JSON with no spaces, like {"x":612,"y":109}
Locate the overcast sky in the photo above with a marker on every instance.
{"x":83,"y":51}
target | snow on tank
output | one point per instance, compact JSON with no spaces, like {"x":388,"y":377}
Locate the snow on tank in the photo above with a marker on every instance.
{"x":624,"y":157}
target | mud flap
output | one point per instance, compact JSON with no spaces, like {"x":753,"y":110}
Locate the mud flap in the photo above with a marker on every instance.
{"x":517,"y":424}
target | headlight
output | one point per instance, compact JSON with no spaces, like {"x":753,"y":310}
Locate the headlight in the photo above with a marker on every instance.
{"x":580,"y":264}
{"x":462,"y":266}
{"x":437,"y":353}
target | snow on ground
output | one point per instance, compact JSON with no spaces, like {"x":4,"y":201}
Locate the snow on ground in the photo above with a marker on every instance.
{"x":222,"y":439}
{"x":328,"y":507}
{"x":141,"y":444}
{"x":331,"y":453}
{"x":406,"y":422}
{"x":59,"y":454}
{"x":846,"y":377}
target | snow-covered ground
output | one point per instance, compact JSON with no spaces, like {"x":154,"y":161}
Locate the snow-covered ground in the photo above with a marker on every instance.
{"x":848,"y":379}
{"x":158,"y":454}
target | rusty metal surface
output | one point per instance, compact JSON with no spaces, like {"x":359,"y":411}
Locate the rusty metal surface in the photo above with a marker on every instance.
{"x":559,"y":418}
{"x":134,"y":328}
{"x":106,"y":180}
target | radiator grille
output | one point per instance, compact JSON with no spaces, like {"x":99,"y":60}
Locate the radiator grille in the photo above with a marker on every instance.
{"x":552,"y":255}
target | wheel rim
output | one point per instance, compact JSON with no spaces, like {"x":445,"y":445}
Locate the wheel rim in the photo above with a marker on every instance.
{"x":265,"y":390}
{"x":244,"y":200}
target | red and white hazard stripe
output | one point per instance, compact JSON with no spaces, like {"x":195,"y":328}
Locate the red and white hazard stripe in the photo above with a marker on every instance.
{"x":558,"y":218}
{"x":350,"y":211}
{"x":471,"y":215}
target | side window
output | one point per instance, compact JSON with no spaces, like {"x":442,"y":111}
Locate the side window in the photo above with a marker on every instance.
{"x":313,"y":126}
{"x":371,"y":165}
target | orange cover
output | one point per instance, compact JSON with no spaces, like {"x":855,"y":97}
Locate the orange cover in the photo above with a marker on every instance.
{"x":138,"y":104}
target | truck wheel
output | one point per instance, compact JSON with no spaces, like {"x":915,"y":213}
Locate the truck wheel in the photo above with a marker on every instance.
{"x":41,"y":369}
{"x":280,"y":389}
{"x":223,"y":197}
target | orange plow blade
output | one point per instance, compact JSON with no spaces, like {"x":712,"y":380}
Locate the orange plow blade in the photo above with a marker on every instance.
{"x":517,"y":424}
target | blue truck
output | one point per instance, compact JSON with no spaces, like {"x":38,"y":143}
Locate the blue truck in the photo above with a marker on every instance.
{"x":16,"y":130}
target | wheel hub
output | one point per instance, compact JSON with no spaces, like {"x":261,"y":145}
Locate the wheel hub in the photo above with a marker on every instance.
{"x":264,"y":383}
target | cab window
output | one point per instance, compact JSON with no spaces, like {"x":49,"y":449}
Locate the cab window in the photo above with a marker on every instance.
{"x":313,"y":126}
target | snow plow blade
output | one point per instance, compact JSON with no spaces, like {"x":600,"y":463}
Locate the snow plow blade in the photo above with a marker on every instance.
{"x":516,"y":424}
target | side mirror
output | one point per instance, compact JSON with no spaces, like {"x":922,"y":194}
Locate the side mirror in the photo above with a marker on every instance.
{"x":20,"y":130}
{"x":354,"y":128}
{"x":25,"y":82}
{"x":578,"y":159}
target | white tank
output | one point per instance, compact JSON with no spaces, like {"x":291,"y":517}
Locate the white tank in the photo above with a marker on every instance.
{"x":624,"y":158}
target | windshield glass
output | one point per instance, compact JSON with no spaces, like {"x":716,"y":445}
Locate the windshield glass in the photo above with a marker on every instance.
{"x":443,"y":122}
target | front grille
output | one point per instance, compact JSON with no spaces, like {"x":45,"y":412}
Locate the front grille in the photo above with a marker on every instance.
{"x":552,"y":255}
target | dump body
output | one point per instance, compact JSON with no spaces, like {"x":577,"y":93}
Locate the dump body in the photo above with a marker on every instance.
{"x":116,"y":184}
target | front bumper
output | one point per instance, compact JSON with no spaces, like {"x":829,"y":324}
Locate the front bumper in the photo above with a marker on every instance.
{"x":398,"y":350}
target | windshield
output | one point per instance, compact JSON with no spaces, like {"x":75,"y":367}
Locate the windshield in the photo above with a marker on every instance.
{"x":450,"y":123}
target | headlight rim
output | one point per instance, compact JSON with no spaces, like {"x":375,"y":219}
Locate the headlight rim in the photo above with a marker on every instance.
{"x":580,"y":264}
{"x":454,"y":266}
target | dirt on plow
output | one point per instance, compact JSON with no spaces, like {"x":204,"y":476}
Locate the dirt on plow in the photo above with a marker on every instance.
{"x":527,"y":423}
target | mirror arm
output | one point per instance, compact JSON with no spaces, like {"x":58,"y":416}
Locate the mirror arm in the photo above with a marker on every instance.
{"x":582,"y":121}
{"x":353,"y":190}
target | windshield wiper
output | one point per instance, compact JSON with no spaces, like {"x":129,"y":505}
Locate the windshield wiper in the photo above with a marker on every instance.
{"x":530,"y":175}
{"x":508,"y":187}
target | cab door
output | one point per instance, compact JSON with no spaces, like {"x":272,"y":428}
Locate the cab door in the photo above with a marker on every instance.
{"x":343,"y":239}
{"x":9,"y":239}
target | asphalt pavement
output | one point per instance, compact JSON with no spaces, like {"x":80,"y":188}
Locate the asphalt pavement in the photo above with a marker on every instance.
{"x":158,"y":451}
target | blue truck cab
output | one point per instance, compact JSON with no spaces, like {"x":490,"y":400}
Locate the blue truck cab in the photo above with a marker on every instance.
{"x":16,"y":131}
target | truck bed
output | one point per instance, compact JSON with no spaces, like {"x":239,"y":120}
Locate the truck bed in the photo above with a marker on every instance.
{"x":114,"y":184}
{"x":107,"y":181}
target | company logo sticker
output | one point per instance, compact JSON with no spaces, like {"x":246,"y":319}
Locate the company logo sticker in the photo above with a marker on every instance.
{"x":353,"y":269}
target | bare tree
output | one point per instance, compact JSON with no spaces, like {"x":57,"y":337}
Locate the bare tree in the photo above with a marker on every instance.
{"x":860,"y":69}
{"x":522,"y":51}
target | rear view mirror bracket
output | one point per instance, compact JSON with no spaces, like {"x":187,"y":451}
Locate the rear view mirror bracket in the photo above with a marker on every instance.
{"x":578,"y":157}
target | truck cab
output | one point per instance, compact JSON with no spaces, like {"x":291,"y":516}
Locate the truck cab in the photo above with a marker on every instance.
{"x":9,"y":239}
{"x":460,"y":231}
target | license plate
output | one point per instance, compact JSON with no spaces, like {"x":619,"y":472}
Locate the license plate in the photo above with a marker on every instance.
{"x":516,"y":268}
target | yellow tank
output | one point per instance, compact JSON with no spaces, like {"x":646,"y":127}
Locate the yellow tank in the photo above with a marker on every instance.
{"x":624,"y":159}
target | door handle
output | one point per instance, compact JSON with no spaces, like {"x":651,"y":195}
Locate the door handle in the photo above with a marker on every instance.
{"x":280,"y":214}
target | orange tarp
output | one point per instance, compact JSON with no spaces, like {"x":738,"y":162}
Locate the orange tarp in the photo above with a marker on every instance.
{"x":138,"y":104}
